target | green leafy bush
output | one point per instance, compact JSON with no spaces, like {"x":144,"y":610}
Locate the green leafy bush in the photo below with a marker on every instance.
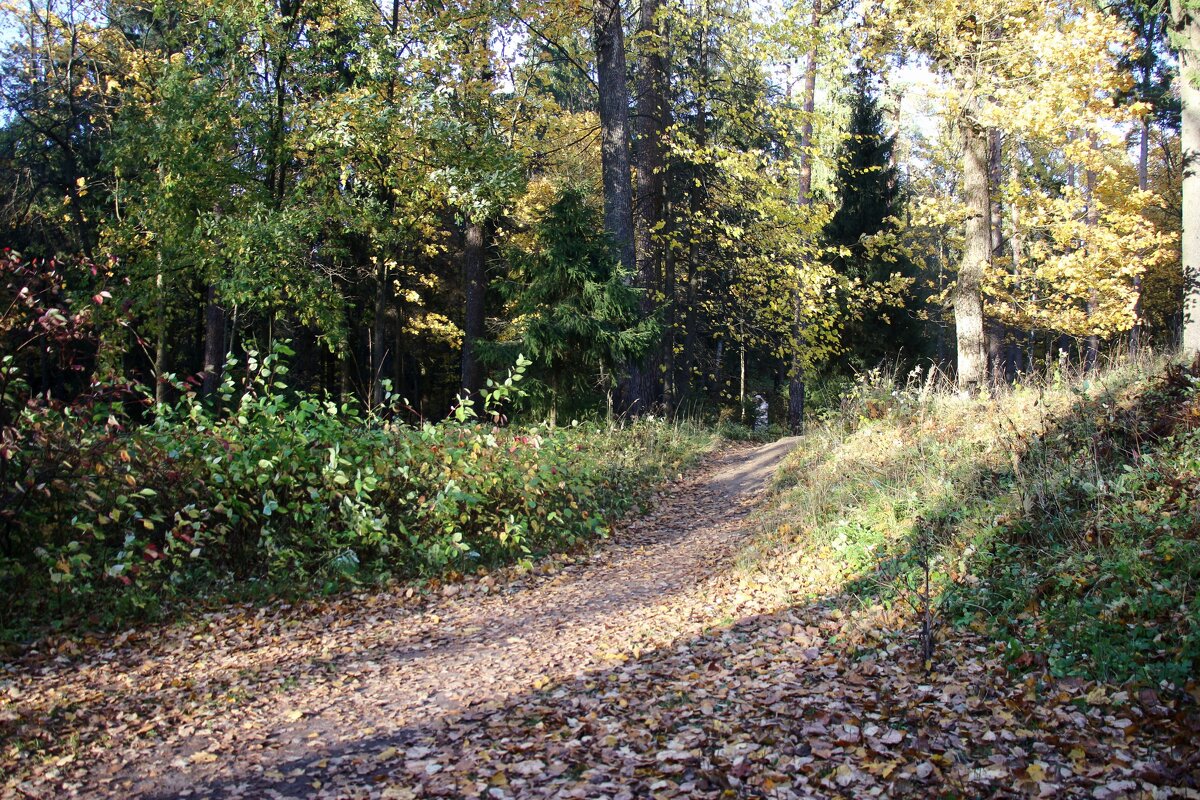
{"x":273,"y":488}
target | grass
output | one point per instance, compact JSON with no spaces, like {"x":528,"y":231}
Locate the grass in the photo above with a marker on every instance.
{"x":1061,"y":515}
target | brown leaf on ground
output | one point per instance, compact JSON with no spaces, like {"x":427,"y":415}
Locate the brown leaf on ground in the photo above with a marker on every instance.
{"x":652,"y":668}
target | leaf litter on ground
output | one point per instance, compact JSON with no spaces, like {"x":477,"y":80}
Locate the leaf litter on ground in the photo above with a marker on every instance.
{"x":651,"y":667}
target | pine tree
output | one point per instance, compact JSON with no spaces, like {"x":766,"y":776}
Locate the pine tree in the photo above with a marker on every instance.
{"x":869,"y":192}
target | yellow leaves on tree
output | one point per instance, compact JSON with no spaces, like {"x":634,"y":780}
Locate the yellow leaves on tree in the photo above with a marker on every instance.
{"x":1074,"y":236}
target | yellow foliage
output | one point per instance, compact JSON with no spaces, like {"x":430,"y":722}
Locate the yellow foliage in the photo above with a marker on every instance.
{"x":1044,"y":77}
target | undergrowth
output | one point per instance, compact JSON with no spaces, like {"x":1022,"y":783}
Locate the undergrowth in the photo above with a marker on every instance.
{"x":116,"y":511}
{"x":1059,"y":516}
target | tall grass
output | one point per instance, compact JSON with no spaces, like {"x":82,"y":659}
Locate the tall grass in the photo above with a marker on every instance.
{"x":1058,"y":513}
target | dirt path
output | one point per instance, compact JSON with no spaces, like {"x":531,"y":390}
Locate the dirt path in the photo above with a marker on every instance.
{"x":652,"y":668}
{"x":275,"y":702}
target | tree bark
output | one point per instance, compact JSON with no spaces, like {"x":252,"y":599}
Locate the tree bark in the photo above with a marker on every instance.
{"x":1135,"y":335}
{"x":672,"y":322}
{"x":940,"y":348}
{"x":996,"y":333}
{"x":648,"y":159}
{"x":1092,"y":355}
{"x":977,"y":230}
{"x":397,"y":358}
{"x":609,"y":39}
{"x":214,"y":343}
{"x":1186,"y":24}
{"x":804,"y":190}
{"x":160,"y":365}
{"x":995,"y":178}
{"x":742,"y":370}
{"x":993,"y":333}
{"x":696,"y":198}
{"x":795,"y":415}
{"x":692,"y":333}
{"x":475,"y":283}
{"x":160,"y":349}
{"x":1016,"y":246}
{"x":379,"y":348}
{"x":1149,"y":31}
{"x":614,"y":130}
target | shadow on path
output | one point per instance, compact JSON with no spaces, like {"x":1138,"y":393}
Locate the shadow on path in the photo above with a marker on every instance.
{"x":360,"y":684}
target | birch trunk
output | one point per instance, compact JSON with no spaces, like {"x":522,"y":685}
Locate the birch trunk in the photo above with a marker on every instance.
{"x":1186,"y":24}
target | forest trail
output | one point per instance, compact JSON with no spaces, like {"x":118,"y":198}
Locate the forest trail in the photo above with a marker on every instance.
{"x":273,"y":702}
{"x":658,"y":665}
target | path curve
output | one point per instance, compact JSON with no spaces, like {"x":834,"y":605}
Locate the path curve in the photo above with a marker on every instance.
{"x":255,"y":702}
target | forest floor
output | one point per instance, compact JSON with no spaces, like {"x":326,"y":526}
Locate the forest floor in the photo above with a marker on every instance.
{"x":657,"y":665}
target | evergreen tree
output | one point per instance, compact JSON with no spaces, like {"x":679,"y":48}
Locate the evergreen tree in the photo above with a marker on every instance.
{"x":573,"y":310}
{"x":870,"y":201}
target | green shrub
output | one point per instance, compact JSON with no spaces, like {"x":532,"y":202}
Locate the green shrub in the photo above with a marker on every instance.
{"x":271,"y":488}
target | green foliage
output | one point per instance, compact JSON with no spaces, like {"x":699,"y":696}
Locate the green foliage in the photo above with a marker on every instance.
{"x":870,"y":205}
{"x":573,"y":309}
{"x":271,"y":487}
{"x":867,"y":186}
{"x":1097,"y":575}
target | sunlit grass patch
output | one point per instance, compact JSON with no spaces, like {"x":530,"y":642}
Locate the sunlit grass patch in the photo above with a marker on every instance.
{"x":1059,"y":515}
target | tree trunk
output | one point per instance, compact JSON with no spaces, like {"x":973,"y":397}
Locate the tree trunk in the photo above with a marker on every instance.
{"x":1135,"y":335}
{"x":943,"y":259}
{"x":810,"y":104}
{"x":1016,"y":246}
{"x":614,"y":130}
{"x":796,"y":405}
{"x":717,"y":376}
{"x":398,"y":373}
{"x":804,"y":190}
{"x":214,"y":343}
{"x":1149,"y":33}
{"x":1093,"y":339}
{"x":994,"y":342}
{"x":648,"y":156}
{"x":609,"y":38}
{"x":795,"y":415}
{"x":345,"y":378}
{"x":997,"y":332}
{"x":696,"y":199}
{"x":672,"y":321}
{"x":670,"y":389}
{"x":160,"y":365}
{"x":742,"y":371}
{"x":968,"y":292}
{"x":160,"y":349}
{"x":995,"y":166}
{"x":379,"y":348}
{"x":692,"y":333}
{"x":1186,"y":23}
{"x":475,"y":283}
{"x":306,"y":374}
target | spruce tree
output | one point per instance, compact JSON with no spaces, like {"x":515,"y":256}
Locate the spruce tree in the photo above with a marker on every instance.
{"x":574,"y":312}
{"x":870,"y":200}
